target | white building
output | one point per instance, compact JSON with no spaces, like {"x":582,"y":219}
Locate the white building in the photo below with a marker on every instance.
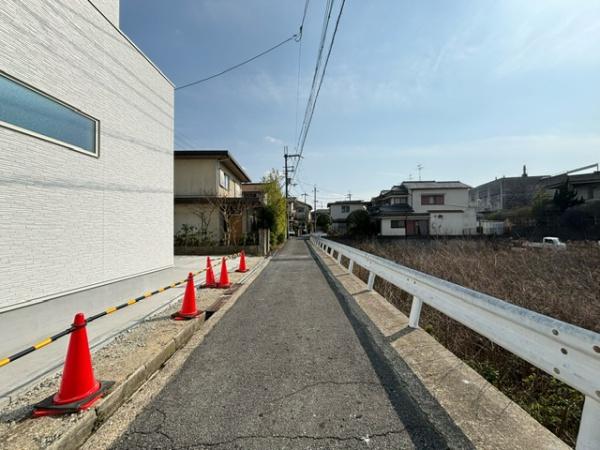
{"x":86,"y":151}
{"x":425,"y":208}
{"x":339,"y":212}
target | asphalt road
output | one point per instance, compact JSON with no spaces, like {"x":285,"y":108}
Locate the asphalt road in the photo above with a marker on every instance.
{"x":285,"y":368}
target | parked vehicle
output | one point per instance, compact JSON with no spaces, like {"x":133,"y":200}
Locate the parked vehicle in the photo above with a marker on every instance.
{"x":548,"y":242}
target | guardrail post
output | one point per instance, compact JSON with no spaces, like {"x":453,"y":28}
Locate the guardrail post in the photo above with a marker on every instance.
{"x":589,"y":429}
{"x":371,"y":281}
{"x":339,"y":257}
{"x":415,"y":312}
{"x":351,"y":266}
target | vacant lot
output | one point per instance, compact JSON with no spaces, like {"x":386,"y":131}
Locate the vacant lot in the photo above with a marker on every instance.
{"x":564,"y":285}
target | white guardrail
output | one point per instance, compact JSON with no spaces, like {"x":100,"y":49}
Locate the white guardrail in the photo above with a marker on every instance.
{"x":565,"y":351}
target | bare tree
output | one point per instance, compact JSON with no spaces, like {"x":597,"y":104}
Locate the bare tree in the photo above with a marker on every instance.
{"x":228,"y":207}
{"x":204,"y":213}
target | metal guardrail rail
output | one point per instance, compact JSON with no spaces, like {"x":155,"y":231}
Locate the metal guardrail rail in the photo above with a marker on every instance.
{"x":565,"y":351}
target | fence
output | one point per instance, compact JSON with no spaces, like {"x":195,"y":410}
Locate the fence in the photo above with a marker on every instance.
{"x":567,"y":352}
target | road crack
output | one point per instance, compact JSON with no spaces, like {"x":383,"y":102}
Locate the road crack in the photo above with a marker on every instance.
{"x":363,"y":439}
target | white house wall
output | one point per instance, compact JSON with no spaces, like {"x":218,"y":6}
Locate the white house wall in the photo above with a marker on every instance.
{"x":387,"y":230}
{"x":452,"y":223}
{"x":453,"y":199}
{"x":69,"y":220}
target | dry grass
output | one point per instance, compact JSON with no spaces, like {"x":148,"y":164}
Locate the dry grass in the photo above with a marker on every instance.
{"x":564,"y":285}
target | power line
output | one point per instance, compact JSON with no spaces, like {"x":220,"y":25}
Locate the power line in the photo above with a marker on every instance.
{"x":312,"y":101}
{"x":295,"y":37}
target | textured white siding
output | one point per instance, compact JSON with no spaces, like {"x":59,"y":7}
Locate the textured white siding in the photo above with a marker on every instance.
{"x":110,"y":8}
{"x":68,"y":220}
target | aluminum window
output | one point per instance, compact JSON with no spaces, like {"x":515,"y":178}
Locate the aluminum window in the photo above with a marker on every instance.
{"x":432,"y":199}
{"x":32,"y":112}
{"x":396,"y":223}
{"x":223,"y":179}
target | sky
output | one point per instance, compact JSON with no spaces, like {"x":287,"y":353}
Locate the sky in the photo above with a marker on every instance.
{"x":468,"y":89}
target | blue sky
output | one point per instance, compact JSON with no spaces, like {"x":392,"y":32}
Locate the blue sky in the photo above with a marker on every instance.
{"x":471,"y":90}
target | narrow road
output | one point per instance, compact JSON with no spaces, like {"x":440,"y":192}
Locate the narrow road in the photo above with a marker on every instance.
{"x":284,"y":368}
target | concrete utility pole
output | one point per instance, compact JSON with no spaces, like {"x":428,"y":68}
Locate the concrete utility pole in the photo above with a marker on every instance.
{"x":315,"y":210}
{"x":419,"y":168}
{"x":286,"y":155}
{"x":349,"y":195}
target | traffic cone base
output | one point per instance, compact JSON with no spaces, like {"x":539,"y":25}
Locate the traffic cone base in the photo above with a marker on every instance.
{"x":242,"y":268}
{"x":188,"y":306}
{"x":79,"y":389}
{"x":179,"y":316}
{"x":224,"y":277}
{"x":48,"y":406}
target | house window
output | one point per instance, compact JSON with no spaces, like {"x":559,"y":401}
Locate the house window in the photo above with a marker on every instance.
{"x":223,"y":179}
{"x":27,"y":110}
{"x":396,"y":224}
{"x":398,"y":200}
{"x":300,"y":209}
{"x":435,"y":199}
{"x":345,"y":208}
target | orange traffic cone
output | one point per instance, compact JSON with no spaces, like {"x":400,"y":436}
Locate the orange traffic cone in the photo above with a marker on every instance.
{"x":224,"y":279}
{"x":210,"y":275}
{"x":242,"y":267}
{"x":188,"y":306}
{"x":79,"y":389}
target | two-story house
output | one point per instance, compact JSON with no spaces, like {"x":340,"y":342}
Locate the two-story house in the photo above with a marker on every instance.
{"x":209,"y":204}
{"x":339,"y":212}
{"x":421,"y":208}
{"x":86,"y":150}
{"x":299,"y":216}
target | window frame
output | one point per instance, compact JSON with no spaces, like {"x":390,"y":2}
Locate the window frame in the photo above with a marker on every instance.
{"x":43,"y":137}
{"x":345,"y":209}
{"x":400,"y":223}
{"x":434,"y":197}
{"x":226,"y":179}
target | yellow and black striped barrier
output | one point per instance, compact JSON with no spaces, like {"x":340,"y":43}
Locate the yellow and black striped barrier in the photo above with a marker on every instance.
{"x":107,"y":311}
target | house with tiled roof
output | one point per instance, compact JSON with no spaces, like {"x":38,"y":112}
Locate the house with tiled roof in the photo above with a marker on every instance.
{"x":422,"y":208}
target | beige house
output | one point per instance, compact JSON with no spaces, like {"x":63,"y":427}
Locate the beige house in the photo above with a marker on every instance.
{"x":299,"y":216}
{"x":209,"y":205}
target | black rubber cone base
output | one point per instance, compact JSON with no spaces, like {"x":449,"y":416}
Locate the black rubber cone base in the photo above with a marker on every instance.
{"x":179,"y":316}
{"x":47,"y":407}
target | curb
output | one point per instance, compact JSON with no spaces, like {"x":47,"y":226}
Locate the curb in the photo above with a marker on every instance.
{"x":80,"y":432}
{"x":75,"y":436}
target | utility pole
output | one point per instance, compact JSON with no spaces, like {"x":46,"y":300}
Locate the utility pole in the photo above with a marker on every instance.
{"x":304,"y":195}
{"x":286,"y":155}
{"x":349,"y":195}
{"x":419,"y":167}
{"x":315,"y":215}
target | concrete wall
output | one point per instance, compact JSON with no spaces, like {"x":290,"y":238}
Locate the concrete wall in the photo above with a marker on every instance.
{"x":69,"y":220}
{"x":387,"y":230}
{"x":195,"y":177}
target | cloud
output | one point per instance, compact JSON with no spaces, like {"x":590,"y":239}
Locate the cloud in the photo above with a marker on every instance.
{"x":274,"y":140}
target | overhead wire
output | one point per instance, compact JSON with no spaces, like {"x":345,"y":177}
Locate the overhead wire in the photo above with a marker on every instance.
{"x":316,"y":87}
{"x":294,"y":37}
